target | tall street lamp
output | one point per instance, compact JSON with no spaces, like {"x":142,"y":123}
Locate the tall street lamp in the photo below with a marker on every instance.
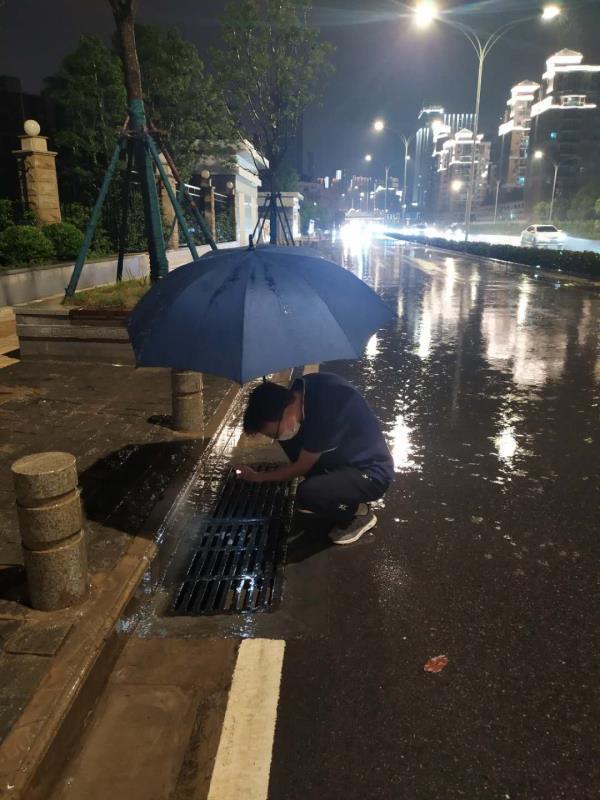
{"x":379,"y":126}
{"x":387,"y":168}
{"x":425,"y":13}
{"x":538,"y":156}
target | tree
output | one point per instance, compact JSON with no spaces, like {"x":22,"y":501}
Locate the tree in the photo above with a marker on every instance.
{"x":541,"y":210}
{"x":583,"y":204}
{"x":91,"y":107}
{"x":286,"y":178}
{"x":180,"y":99}
{"x":91,"y":99}
{"x":272,"y":67}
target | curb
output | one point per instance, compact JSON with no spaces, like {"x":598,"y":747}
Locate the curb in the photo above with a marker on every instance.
{"x":34,"y":752}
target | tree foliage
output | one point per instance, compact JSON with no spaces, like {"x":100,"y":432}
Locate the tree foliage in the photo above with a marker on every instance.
{"x":272,"y":67}
{"x":180,"y":98}
{"x":583,"y":205}
{"x":541,"y":210}
{"x":91,"y":100}
{"x":91,"y":103}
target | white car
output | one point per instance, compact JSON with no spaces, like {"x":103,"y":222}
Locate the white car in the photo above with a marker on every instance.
{"x":542,"y":236}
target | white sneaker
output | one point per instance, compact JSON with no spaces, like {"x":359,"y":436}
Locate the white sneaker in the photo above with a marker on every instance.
{"x":355,"y":530}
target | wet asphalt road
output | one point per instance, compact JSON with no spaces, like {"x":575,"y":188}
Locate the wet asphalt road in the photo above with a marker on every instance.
{"x":486,"y":551}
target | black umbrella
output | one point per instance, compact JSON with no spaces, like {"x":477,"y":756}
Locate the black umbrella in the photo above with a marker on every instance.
{"x":242,"y":313}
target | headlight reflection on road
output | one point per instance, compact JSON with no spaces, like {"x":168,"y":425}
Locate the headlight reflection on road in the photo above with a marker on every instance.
{"x":506,"y":444}
{"x":401,"y":445}
{"x":524,"y":292}
{"x":425,"y":332}
{"x":372,"y":349}
{"x":450,"y":278}
{"x":474,"y":286}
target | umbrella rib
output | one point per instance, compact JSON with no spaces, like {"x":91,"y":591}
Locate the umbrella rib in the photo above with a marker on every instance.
{"x":243,"y":339}
{"x":337,"y":322}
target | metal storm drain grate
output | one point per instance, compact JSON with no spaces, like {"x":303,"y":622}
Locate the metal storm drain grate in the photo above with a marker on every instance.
{"x":238,"y":564}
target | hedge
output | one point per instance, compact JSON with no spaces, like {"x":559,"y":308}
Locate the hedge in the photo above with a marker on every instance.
{"x":24,"y":245}
{"x":66,"y":239}
{"x":579,"y":263}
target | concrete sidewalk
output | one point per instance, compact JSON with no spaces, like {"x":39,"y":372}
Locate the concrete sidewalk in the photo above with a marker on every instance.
{"x":115,"y":420}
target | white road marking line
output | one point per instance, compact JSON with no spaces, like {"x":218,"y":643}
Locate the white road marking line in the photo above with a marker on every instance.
{"x":243,"y":762}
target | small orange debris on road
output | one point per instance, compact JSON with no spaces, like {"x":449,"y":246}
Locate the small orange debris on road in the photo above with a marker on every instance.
{"x":436,"y":664}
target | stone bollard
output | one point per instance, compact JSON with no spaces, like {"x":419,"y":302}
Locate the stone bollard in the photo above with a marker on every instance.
{"x":188,"y":407}
{"x":52,"y":536}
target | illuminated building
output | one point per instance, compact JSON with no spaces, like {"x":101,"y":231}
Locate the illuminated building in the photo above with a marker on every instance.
{"x":453,"y":155}
{"x":565,"y":128}
{"x":514,"y":135}
{"x":431,"y":118}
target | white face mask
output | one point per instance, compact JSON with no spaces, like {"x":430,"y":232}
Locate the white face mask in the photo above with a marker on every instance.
{"x":284,"y":437}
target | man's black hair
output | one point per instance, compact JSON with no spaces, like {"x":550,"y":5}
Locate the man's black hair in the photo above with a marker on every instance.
{"x":266,"y":404}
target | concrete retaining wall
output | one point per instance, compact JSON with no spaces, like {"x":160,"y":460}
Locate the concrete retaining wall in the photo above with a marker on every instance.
{"x":35,"y":283}
{"x":49,"y":330}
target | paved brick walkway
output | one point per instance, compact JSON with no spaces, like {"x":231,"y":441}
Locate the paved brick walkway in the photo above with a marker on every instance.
{"x":115,"y":421}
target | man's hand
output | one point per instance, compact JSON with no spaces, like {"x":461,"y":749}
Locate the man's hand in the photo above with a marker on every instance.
{"x":248,"y":474}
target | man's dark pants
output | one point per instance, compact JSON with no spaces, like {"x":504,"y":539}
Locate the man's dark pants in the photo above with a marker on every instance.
{"x":335,"y":495}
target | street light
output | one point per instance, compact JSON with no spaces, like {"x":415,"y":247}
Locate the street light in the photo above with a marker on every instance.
{"x":424,"y":14}
{"x":456,"y":185}
{"x":369,"y":157}
{"x":538,"y":156}
{"x":379,"y":126}
{"x":551,"y":12}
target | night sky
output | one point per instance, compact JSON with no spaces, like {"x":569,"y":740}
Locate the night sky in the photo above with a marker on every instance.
{"x":384,"y":66}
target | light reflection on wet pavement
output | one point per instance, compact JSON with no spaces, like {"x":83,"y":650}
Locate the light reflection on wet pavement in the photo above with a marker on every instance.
{"x":488,"y":389}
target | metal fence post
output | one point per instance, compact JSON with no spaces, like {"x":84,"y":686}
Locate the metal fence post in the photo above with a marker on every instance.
{"x":208,"y":201}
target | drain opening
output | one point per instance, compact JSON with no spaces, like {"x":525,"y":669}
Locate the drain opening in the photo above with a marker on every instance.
{"x":238,"y":566}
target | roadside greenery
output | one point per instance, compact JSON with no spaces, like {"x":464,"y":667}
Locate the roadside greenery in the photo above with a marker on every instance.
{"x":271,"y":66}
{"x":24,"y":245}
{"x":269,"y":69}
{"x":184,"y":103}
{"x":123,"y":296}
{"x":578,"y":263}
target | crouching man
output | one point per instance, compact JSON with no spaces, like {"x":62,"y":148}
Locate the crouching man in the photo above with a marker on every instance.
{"x":333,"y":440}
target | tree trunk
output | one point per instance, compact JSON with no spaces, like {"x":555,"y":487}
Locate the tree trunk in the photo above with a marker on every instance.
{"x":124,"y":12}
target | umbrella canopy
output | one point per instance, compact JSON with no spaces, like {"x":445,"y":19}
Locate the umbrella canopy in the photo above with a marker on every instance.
{"x":242,"y":313}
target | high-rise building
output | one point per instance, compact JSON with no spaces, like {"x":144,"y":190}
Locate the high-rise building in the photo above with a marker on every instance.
{"x":514,"y":133}
{"x":453,"y":175}
{"x":431,"y":118}
{"x":565,"y":128}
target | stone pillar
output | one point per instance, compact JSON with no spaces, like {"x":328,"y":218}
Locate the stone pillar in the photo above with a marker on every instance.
{"x":188,"y":405}
{"x":51,"y":525}
{"x":208,"y":201}
{"x":167,"y":210}
{"x":37,"y":175}
{"x":230,"y":194}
